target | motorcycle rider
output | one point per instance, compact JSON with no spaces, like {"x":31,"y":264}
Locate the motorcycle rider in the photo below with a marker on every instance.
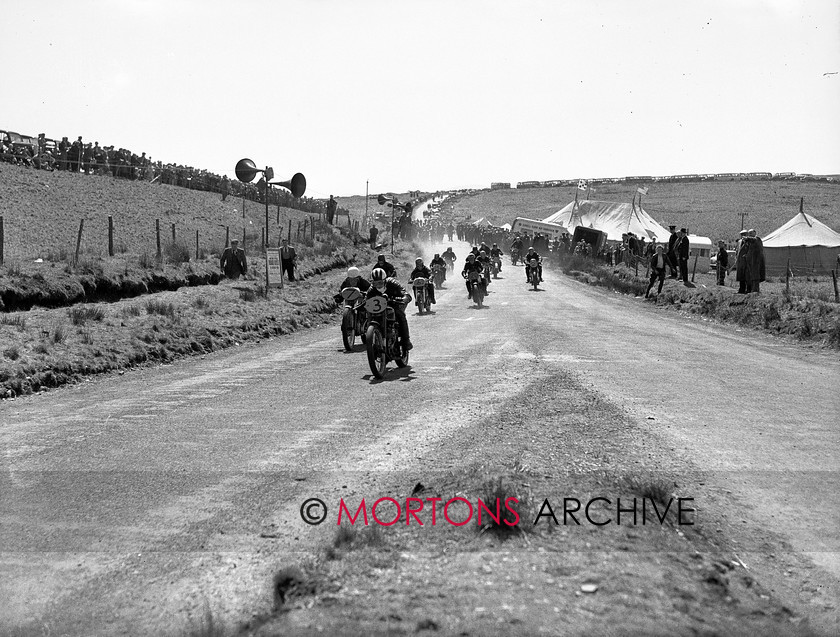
{"x":390,"y":270}
{"x":421,"y":270}
{"x":487,"y":264}
{"x":516,"y":246}
{"x":438,"y":260}
{"x":496,"y":254}
{"x":473,"y":265}
{"x":532,"y":254}
{"x":354,"y":280}
{"x":381,"y":283}
{"x":449,"y":257}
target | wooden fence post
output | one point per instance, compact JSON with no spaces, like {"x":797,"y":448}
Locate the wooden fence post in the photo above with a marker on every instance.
{"x":244,"y":236}
{"x":694,"y":269}
{"x":834,"y":280}
{"x":289,"y":233}
{"x":227,"y":236}
{"x":312,"y":230}
{"x":79,"y":241}
{"x":110,"y":236}
{"x":173,"y":232}
{"x":278,"y":212}
{"x":157,"y":237}
{"x":196,"y":244}
{"x":2,"y":240}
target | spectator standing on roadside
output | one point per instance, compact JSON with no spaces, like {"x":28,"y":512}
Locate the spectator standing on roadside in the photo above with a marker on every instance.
{"x":374,"y":233}
{"x":225,"y":187}
{"x":233,"y":261}
{"x":658,"y":263}
{"x":63,"y":147}
{"x":741,"y":262}
{"x":755,"y":263}
{"x":722,"y":262}
{"x":682,"y":249}
{"x":332,"y":204}
{"x":288,"y":259}
{"x":671,"y":254}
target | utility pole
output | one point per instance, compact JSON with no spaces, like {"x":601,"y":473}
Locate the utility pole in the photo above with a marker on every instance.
{"x":743,"y":214}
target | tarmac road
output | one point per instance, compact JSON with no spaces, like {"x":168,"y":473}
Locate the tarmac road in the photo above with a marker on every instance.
{"x":132,"y":500}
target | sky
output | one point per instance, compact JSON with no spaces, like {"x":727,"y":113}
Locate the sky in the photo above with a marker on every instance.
{"x":434,"y":95}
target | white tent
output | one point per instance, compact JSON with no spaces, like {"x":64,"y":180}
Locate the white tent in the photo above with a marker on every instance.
{"x":611,"y":217}
{"x":505,"y":226}
{"x":811,"y":246}
{"x":481,"y":222}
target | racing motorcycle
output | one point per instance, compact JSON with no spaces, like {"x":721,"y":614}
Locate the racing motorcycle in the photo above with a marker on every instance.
{"x":354,"y":319}
{"x":534,"y":272}
{"x":514,"y":255}
{"x":382,"y":338}
{"x":421,"y":294}
{"x":497,"y":263}
{"x":438,"y":272}
{"x":476,"y":288}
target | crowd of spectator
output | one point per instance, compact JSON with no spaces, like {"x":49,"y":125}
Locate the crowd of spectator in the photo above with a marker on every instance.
{"x":80,"y":157}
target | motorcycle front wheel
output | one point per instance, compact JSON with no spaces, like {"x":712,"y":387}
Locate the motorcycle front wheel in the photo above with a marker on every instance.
{"x":535,"y":278}
{"x":348,"y":330}
{"x":376,"y":351}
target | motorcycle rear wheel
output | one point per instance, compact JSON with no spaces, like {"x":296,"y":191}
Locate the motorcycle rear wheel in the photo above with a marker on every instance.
{"x":348,"y":330}
{"x":377,"y":359}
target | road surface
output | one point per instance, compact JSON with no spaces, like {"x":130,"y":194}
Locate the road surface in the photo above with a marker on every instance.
{"x":131,"y":500}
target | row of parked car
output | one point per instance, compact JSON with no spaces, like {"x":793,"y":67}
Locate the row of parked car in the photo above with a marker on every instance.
{"x":19,"y":144}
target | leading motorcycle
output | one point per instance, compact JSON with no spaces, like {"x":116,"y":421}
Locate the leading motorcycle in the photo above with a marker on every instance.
{"x":382,"y":338}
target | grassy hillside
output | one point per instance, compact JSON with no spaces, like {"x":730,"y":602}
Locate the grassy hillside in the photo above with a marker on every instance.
{"x":42,"y":210}
{"x":705,"y":208}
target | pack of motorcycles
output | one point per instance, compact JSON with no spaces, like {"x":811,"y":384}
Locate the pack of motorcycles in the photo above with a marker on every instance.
{"x":374,"y":321}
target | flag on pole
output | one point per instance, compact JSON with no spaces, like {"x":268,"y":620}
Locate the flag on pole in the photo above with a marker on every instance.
{"x":582,"y":184}
{"x":642,"y":191}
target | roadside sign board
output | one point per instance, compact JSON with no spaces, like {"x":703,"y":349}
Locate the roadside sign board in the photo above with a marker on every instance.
{"x":273,"y":271}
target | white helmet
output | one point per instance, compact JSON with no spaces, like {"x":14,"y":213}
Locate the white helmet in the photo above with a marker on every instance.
{"x":353,"y":272}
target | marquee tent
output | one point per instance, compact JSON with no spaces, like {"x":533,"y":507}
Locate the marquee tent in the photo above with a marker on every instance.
{"x":481,"y":222}
{"x":811,"y":246}
{"x":611,"y":217}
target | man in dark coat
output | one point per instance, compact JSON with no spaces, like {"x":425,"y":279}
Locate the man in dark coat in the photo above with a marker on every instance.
{"x":754,"y":263}
{"x":671,"y":254}
{"x":332,"y":204}
{"x":741,"y":262}
{"x":722,"y":263}
{"x":233,"y":261}
{"x":682,"y":248}
{"x":288,"y":259}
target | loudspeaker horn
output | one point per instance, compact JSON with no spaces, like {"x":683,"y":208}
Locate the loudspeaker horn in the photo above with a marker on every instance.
{"x":296,"y":185}
{"x":246,"y":170}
